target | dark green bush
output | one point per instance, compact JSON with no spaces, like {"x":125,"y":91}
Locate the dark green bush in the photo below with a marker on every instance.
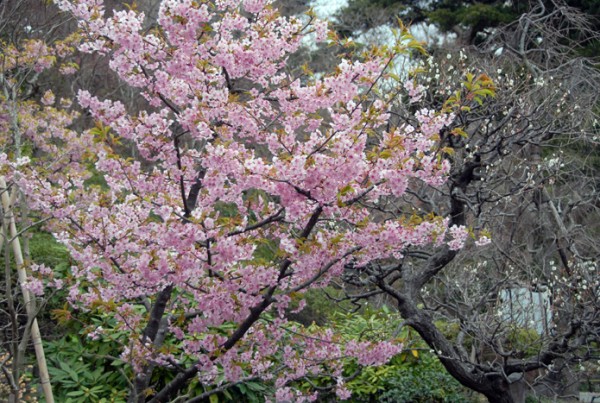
{"x":85,"y":370}
{"x":415,"y":375}
{"x":425,"y":380}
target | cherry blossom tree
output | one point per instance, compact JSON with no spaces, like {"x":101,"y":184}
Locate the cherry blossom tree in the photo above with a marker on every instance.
{"x":198,"y":212}
{"x":250,"y":184}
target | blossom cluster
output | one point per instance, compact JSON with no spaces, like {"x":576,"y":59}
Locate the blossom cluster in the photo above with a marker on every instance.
{"x":250,"y":184}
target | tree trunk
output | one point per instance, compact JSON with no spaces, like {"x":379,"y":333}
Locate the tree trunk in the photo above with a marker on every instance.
{"x":142,"y":379}
{"x":494,"y":386}
{"x":501,"y":398}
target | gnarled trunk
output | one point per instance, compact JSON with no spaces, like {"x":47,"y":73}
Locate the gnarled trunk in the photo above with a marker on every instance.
{"x":488,"y":381}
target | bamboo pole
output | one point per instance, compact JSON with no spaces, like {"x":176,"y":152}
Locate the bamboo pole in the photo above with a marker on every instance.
{"x":36,"y":336}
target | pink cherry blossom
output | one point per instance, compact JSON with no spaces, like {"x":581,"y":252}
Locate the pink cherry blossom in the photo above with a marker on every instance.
{"x":248,"y":185}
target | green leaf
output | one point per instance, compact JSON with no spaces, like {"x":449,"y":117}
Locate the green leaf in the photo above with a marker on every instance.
{"x":385,"y":154}
{"x":227,"y":394}
{"x":65,"y":367}
{"x":255,"y":386}
{"x":345,"y":190}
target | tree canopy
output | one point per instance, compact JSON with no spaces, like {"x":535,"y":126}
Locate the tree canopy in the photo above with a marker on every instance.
{"x":203,"y":184}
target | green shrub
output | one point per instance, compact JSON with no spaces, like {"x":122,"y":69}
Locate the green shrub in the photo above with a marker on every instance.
{"x":424,"y":380}
{"x":46,"y":250}
{"x":414,"y":375}
{"x":85,"y":370}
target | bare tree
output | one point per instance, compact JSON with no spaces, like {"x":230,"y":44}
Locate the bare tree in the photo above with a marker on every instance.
{"x":526,"y":306}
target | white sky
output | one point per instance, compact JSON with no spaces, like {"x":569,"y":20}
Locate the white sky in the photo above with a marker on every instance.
{"x":422,"y":32}
{"x":326,"y":8}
